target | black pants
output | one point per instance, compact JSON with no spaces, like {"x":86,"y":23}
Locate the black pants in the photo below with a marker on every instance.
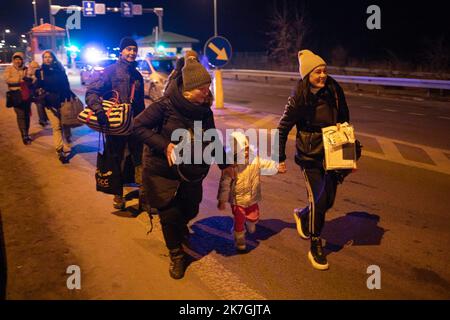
{"x":23,"y":118}
{"x":321,"y":187}
{"x":119,"y":145}
{"x":183,"y":208}
{"x":41,"y":113}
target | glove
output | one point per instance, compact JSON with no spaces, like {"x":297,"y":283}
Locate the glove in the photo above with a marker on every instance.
{"x":102,"y":119}
{"x":340,"y":175}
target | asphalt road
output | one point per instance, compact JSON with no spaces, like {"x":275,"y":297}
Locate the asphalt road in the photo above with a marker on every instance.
{"x":392,"y":213}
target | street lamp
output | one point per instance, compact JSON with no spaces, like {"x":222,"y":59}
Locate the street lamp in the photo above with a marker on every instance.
{"x":35,"y":14}
{"x":215,"y":18}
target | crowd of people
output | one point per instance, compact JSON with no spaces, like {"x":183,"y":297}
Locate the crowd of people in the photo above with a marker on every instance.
{"x":174,"y":190}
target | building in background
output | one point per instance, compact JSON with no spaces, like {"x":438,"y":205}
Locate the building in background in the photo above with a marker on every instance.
{"x":41,"y":40}
{"x":165,"y":43}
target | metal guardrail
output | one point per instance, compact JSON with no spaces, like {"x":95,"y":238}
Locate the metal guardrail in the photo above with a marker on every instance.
{"x":382,"y":81}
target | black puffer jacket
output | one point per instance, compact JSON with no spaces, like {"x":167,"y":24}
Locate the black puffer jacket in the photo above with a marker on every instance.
{"x":326,"y":108}
{"x":119,"y":77}
{"x":154,"y":127}
{"x":53,"y":80}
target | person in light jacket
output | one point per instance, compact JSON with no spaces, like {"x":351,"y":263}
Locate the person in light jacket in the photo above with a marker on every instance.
{"x":14,"y":76}
{"x":244,"y":191}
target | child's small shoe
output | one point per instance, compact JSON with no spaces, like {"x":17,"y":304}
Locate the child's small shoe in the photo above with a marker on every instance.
{"x":239,"y":240}
{"x":251,"y":226}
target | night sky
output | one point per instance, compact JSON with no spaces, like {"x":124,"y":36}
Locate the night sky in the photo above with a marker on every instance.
{"x":407,"y":27}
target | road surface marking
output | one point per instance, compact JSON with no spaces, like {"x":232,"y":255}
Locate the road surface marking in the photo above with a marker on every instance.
{"x":416,"y":114}
{"x":222,"y":282}
{"x":367,"y":107}
{"x":387,"y":145}
{"x":390,"y":110}
{"x":264,"y":121}
{"x":442,"y":117}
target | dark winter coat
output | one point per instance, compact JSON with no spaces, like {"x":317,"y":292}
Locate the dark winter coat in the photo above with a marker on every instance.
{"x":53,"y":85}
{"x":118,"y":77}
{"x":154,"y":128}
{"x":326,"y":108}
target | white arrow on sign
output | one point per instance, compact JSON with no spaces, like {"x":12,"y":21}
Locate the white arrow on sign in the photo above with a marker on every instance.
{"x":221,"y":53}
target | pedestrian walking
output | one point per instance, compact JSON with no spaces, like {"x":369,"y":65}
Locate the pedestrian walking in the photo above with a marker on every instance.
{"x":18,"y":95}
{"x":175,"y":190}
{"x":318,"y":102}
{"x":53,"y":89}
{"x":244,"y":191}
{"x":123,"y":78}
{"x":33,"y":69}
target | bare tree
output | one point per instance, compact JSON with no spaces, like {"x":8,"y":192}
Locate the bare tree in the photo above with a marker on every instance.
{"x":436,"y":55}
{"x":288,"y":29}
{"x":339,"y":56}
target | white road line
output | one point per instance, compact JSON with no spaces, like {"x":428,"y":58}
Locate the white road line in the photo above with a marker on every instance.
{"x":210,"y":271}
{"x":367,"y":107}
{"x":442,"y":117}
{"x":416,"y":114}
{"x":390,"y":110}
{"x":390,"y":149}
{"x":266,"y":120}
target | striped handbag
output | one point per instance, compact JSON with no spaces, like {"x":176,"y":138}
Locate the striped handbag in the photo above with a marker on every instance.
{"x":120,"y":118}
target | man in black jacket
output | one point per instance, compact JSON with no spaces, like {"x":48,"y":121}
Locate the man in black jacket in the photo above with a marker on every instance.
{"x":128,"y":82}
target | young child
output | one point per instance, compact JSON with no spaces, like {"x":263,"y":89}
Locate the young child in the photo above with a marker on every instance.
{"x":33,"y":66}
{"x":244,"y":192}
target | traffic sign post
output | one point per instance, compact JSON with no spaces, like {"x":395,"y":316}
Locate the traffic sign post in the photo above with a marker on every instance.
{"x":127,"y":9}
{"x":218,"y":50}
{"x":89,"y":8}
{"x":137,"y":9}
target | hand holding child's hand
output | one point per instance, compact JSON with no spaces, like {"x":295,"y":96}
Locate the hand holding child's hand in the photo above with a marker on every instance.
{"x":221,"y":205}
{"x":282,"y":167}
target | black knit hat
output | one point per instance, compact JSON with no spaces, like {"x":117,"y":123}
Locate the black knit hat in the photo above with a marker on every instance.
{"x":194,"y":74}
{"x":126,"y":42}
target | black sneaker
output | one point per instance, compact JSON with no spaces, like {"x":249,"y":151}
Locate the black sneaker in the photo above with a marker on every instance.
{"x":63,"y":157}
{"x":177,"y":263}
{"x":27,"y":140}
{"x":300,"y":216}
{"x":316,"y":255}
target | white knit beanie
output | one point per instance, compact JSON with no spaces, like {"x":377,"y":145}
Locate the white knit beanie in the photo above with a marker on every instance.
{"x":308,"y":61}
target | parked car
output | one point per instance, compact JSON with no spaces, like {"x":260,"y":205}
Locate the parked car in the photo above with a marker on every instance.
{"x":91,"y":72}
{"x":155,"y":70}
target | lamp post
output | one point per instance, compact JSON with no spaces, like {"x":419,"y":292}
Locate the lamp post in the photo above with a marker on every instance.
{"x":35,"y":13}
{"x":215,"y":18}
{"x":52,"y":22}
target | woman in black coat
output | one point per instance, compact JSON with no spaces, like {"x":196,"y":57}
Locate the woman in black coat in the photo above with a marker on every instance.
{"x":175,"y":190}
{"x":53,"y":89}
{"x":318,"y":102}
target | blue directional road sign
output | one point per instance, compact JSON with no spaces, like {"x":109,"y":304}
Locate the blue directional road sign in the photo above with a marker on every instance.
{"x":218,"y":51}
{"x":89,"y":8}
{"x":126,"y":9}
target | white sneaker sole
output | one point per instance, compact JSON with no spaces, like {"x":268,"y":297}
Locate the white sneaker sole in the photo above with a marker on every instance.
{"x":299,"y":227}
{"x":315,"y":264}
